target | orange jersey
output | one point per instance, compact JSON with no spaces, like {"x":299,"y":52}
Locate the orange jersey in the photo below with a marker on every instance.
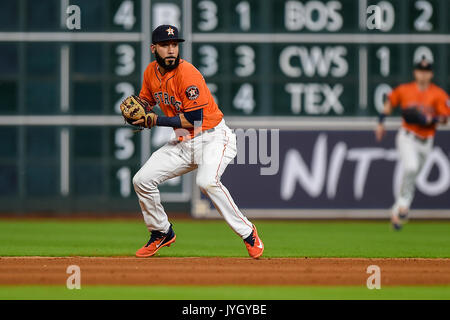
{"x":433,"y":101}
{"x":180,"y":90}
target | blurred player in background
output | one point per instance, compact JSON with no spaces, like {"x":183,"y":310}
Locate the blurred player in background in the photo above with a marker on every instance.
{"x":424,"y":105}
{"x":181,"y":92}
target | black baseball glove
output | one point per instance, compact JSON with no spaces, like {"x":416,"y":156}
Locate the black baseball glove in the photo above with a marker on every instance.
{"x":414,"y":116}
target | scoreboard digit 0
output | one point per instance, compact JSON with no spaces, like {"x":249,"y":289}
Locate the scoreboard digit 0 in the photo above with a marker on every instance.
{"x":315,"y":58}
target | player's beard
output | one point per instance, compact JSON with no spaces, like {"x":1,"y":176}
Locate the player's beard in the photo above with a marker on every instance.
{"x":162,"y":62}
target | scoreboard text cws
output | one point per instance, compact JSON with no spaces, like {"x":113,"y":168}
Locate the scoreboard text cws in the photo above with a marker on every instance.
{"x":314,"y":57}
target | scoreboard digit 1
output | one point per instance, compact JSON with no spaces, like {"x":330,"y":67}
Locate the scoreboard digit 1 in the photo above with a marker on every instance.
{"x":315,"y":58}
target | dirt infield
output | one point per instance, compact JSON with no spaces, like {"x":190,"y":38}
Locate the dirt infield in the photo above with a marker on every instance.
{"x":222,"y":271}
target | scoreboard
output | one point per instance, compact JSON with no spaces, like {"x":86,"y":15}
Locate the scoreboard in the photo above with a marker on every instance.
{"x":65,"y":66}
{"x":315,"y":58}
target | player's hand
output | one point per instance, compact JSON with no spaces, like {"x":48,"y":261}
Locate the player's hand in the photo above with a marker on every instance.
{"x":380,"y":132}
{"x":430,"y":119}
{"x":139,"y":122}
{"x":148,"y":121}
{"x":442,"y":119}
{"x":436,"y":120}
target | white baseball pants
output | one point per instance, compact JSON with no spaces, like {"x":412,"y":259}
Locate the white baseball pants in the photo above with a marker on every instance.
{"x":412,"y":154}
{"x":210,"y":153}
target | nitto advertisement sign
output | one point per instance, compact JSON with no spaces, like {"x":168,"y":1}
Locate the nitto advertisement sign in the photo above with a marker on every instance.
{"x":330,"y":170}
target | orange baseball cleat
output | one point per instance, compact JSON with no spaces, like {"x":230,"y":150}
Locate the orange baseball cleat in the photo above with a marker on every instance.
{"x":156,"y":242}
{"x":255,"y":246}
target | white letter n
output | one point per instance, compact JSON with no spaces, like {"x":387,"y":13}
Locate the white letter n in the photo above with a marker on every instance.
{"x":295,"y":170}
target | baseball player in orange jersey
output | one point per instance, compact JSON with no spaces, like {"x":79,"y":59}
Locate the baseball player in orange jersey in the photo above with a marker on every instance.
{"x":423,"y":106}
{"x":205,"y":143}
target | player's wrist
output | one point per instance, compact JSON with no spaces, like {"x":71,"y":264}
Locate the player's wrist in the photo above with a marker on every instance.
{"x":381,"y":118}
{"x":150,"y":120}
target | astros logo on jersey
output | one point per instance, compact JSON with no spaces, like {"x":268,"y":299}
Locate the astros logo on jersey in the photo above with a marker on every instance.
{"x":192,"y":92}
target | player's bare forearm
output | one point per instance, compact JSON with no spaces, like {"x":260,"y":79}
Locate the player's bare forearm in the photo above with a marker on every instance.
{"x":387,"y":108}
{"x":185,"y":123}
{"x":380,"y":131}
{"x":443,"y":120}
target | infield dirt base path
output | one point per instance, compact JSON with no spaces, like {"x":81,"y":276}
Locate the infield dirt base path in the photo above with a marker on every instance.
{"x":222,"y":271}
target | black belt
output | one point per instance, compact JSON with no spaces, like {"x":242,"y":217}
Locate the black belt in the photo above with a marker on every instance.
{"x":420,"y":139}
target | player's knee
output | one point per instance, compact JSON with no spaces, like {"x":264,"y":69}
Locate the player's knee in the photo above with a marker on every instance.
{"x":205,"y":183}
{"x":141,"y":182}
{"x":137,"y":181}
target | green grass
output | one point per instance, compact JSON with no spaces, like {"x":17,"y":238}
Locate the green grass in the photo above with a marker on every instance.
{"x":215,"y":238}
{"x":222,"y":293}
